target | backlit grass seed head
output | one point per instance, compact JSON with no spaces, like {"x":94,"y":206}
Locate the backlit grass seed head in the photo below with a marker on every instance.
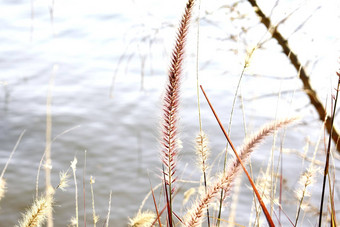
{"x":92,"y":180}
{"x":95,"y":219}
{"x":64,"y":179}
{"x":37,"y":214}
{"x":169,"y":140}
{"x":306,"y":179}
{"x":74,"y":164}
{"x":73,"y":222}
{"x":143,"y":219}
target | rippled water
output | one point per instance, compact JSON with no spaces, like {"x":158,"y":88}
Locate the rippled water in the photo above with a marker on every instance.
{"x":87,"y":47}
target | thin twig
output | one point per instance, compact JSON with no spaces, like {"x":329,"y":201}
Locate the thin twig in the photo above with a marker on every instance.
{"x":311,"y":93}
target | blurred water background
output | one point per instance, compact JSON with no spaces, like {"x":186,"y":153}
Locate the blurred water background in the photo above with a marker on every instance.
{"x":109,"y":61}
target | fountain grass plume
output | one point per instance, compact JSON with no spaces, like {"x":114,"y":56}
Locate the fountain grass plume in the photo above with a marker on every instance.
{"x":169,"y":140}
{"x":195,"y":214}
{"x":37,"y":214}
{"x":202,"y":151}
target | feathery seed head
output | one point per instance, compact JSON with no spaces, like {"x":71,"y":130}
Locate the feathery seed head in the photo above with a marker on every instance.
{"x":257,"y":138}
{"x":64,"y":178}
{"x":37,"y":214}
{"x":143,"y":219}
{"x":169,"y":141}
{"x":306,"y":179}
{"x":202,"y":150}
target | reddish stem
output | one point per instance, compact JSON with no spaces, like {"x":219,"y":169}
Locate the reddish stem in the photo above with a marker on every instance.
{"x":269,"y":219}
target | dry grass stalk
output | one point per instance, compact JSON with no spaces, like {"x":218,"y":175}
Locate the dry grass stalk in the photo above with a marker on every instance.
{"x":37,"y":214}
{"x":202,"y":152}
{"x":195,"y":214}
{"x":48,"y":135}
{"x":95,"y":217}
{"x":2,"y":179}
{"x":74,"y":220}
{"x":169,"y":129}
{"x":306,"y":179}
{"x":108,"y":211}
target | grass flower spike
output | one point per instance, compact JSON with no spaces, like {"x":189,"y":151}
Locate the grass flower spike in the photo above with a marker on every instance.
{"x":202,"y":150}
{"x":169,"y":126}
{"x":37,"y":214}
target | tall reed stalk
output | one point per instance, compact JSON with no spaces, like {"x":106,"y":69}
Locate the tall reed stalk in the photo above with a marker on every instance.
{"x":48,"y":160}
